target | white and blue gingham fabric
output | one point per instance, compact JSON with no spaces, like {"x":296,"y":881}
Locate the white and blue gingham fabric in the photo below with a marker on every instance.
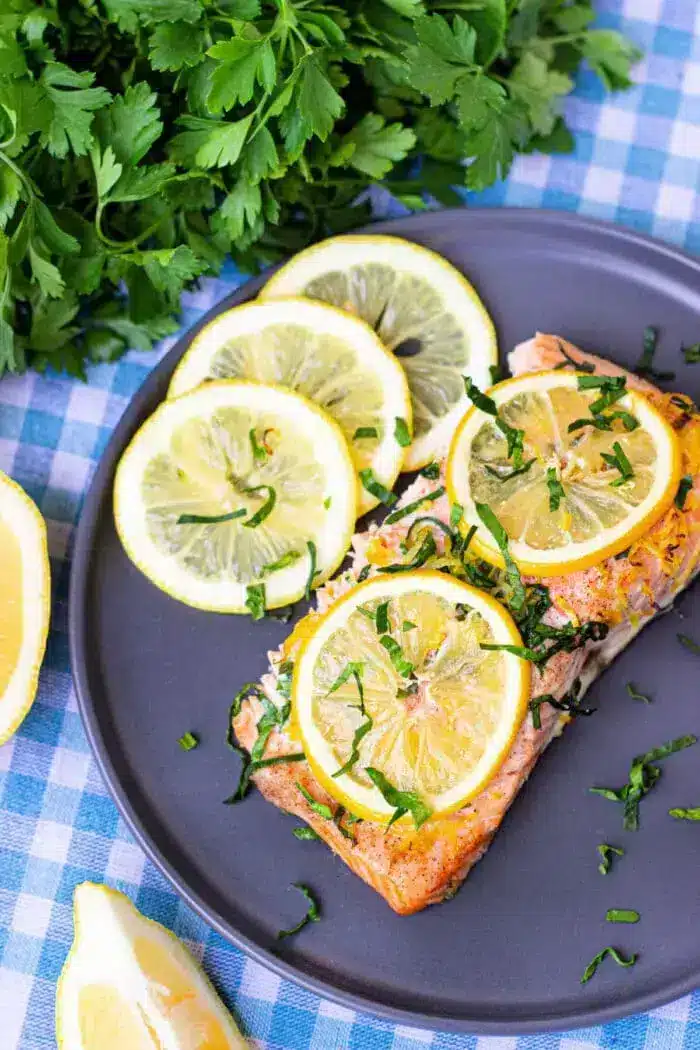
{"x":637,"y":162}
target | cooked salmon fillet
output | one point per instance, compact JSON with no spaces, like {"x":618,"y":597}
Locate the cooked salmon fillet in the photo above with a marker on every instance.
{"x":410,"y":868}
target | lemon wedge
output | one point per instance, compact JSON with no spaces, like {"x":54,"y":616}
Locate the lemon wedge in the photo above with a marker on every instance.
{"x":129,"y":984}
{"x":394,"y":688}
{"x":422,"y":308}
{"x":236,"y":497}
{"x":326,"y":355}
{"x":24,"y":603}
{"x":597,"y":467}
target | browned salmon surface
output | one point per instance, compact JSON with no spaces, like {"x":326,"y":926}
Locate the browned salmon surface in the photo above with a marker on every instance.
{"x":410,"y":868}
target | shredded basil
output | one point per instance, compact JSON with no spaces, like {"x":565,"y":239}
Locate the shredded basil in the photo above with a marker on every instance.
{"x":273,"y":717}
{"x":284,"y":679}
{"x":255,"y":600}
{"x":431,"y":472}
{"x":645,"y":366}
{"x":260,"y":453}
{"x":403,"y":512}
{"x":311,"y":547}
{"x":401,"y":664}
{"x":627,"y":915}
{"x":456,"y":515}
{"x":402,"y":434}
{"x":619,"y":461}
{"x":556,"y":489}
{"x":381,"y":618}
{"x":249,"y":768}
{"x":580,"y":366}
{"x":375,"y":488}
{"x":517,"y":598}
{"x":327,"y":502}
{"x":403,"y":801}
{"x":636,"y":695}
{"x":495,"y":374}
{"x":434,"y":523}
{"x":569,"y":703}
{"x":353,"y":669}
{"x":312,"y":915}
{"x":605,"y":422}
{"x":365,"y":432}
{"x":284,"y":562}
{"x":684,"y":487}
{"x":427,"y":549}
{"x":691,"y":353}
{"x":514,"y":437}
{"x":606,"y":854}
{"x":612,"y":388}
{"x":318,"y":807}
{"x":408,"y":626}
{"x":305,"y":834}
{"x":689,"y":644}
{"x":685,"y":814}
{"x":188,"y":741}
{"x":614,"y":954}
{"x":210,"y":519}
{"x":364,"y":573}
{"x":511,"y":474}
{"x":263,"y":512}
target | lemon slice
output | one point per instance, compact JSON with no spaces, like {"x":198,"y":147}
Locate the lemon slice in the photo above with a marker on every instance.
{"x":580,"y":495}
{"x":442,"y":711}
{"x":24,"y":603}
{"x":422,"y":308}
{"x":236,"y":496}
{"x":129,"y":984}
{"x":323,"y":353}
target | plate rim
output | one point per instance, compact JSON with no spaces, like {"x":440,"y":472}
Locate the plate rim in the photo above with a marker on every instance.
{"x":80,"y":568}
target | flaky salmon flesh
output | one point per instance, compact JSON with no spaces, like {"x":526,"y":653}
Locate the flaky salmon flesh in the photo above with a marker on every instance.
{"x":413,"y":868}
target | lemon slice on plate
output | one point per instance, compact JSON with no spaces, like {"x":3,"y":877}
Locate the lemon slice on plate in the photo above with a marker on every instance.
{"x":323,"y":353}
{"x":129,"y":984}
{"x":24,"y":603}
{"x":598,"y":467}
{"x":421,"y":307}
{"x":395,"y":681}
{"x":237,"y":496}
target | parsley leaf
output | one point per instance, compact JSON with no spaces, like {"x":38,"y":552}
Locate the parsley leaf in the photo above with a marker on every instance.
{"x":403,"y":801}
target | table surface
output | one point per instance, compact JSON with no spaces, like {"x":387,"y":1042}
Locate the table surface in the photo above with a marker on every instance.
{"x":637,"y":162}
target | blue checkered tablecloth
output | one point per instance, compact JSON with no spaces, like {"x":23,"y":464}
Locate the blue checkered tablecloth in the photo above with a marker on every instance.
{"x":637,"y":162}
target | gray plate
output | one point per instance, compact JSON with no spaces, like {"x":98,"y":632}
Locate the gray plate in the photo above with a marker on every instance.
{"x":506,"y":955}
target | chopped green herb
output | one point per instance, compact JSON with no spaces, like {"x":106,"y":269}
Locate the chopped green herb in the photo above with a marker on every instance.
{"x":318,"y":807}
{"x":595,"y":963}
{"x":510,"y":474}
{"x":273,"y":717}
{"x":522,"y":651}
{"x":401,"y":664}
{"x":636,"y":695}
{"x":338,"y":821}
{"x":619,"y":461}
{"x":250,"y":768}
{"x":263,"y":512}
{"x":364,"y":611}
{"x":621,"y":915}
{"x":580,"y":366}
{"x":646,"y":361}
{"x":500,"y":535}
{"x":305,"y":834}
{"x":606,"y":854}
{"x":569,"y":703}
{"x":284,"y":562}
{"x":376,"y":489}
{"x":623,"y":554}
{"x":605,"y":422}
{"x":327,"y":502}
{"x":514,"y":437}
{"x":556,"y":489}
{"x":495,"y":373}
{"x":356,"y":670}
{"x":691,"y":353}
{"x":456,"y":515}
{"x":311,"y":548}
{"x":431,"y":472}
{"x":410,"y":508}
{"x":689,"y":644}
{"x":255,"y":600}
{"x":312,"y":915}
{"x":408,"y":626}
{"x":282,"y":615}
{"x":284,"y":679}
{"x":210,"y":519}
{"x":365,"y":432}
{"x":685,"y":814}
{"x":426,"y":550}
{"x":260,"y":453}
{"x":643,"y":775}
{"x":364,"y":573}
{"x":419,"y":523}
{"x":402,"y":434}
{"x":353,"y":669}
{"x":382,"y":618}
{"x":403,"y":801}
{"x":612,"y":388}
{"x":188,"y":741}
{"x":684,"y":487}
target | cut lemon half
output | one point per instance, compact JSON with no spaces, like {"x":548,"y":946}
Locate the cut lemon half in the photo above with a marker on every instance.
{"x":129,"y":984}
{"x":236,"y":496}
{"x":580,"y":495}
{"x":422,"y":308}
{"x":324,"y":354}
{"x":24,"y":603}
{"x":442,"y":711}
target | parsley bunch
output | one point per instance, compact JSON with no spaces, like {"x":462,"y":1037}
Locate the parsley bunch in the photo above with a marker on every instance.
{"x":141,"y":141}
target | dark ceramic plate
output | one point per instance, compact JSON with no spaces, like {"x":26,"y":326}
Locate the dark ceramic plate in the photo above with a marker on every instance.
{"x":507,"y":954}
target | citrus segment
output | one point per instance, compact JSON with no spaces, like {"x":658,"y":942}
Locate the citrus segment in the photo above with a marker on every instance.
{"x":24,"y":603}
{"x":422,"y":308}
{"x":440,"y":711}
{"x":324,"y":354}
{"x":587,"y":481}
{"x":236,"y":496}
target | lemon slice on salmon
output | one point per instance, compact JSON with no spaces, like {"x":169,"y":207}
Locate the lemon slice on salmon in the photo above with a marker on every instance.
{"x":236,"y":497}
{"x":422,"y":308}
{"x":129,"y":984}
{"x":395,"y":692}
{"x":575,"y":467}
{"x":324,"y":354}
{"x":24,"y":603}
